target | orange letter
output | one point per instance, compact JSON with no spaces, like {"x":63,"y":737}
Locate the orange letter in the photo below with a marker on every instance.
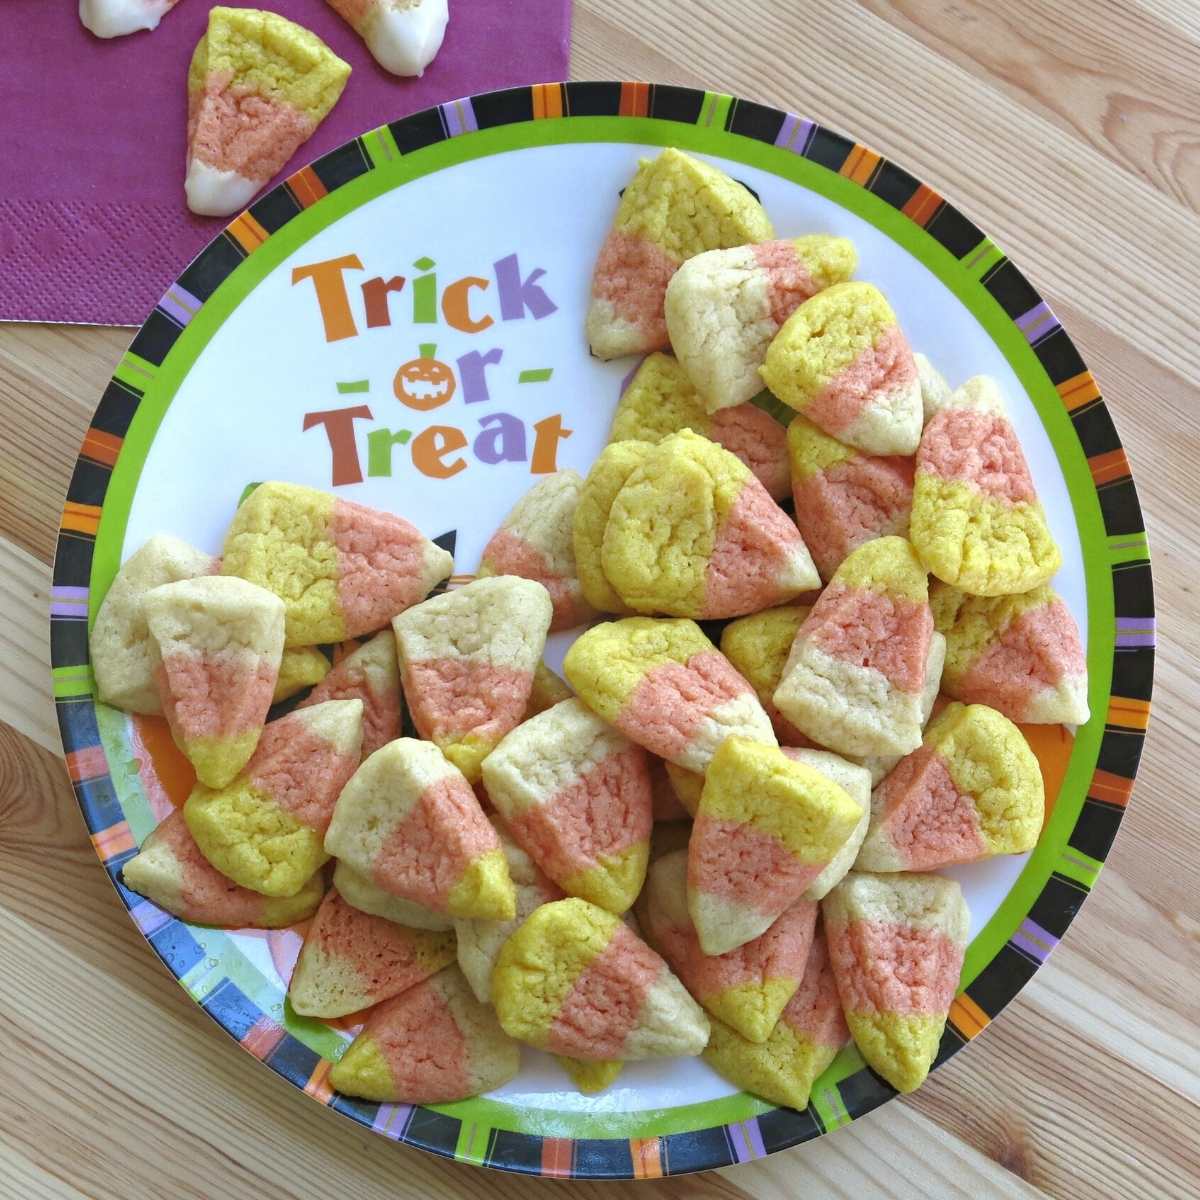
{"x":545,"y":446}
{"x":456,"y":307}
{"x":331,"y":293}
{"x":339,"y":429}
{"x":431,"y":446}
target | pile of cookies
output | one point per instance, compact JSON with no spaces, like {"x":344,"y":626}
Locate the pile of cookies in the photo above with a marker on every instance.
{"x":500,"y":877}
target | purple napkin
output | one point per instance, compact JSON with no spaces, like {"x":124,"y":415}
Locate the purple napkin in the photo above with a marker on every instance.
{"x":93,"y":225}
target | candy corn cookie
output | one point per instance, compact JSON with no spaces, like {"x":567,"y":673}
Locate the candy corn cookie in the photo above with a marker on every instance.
{"x":432,"y":1044}
{"x":265,"y":829}
{"x":766,"y":828}
{"x":548,"y":689}
{"x":724,"y":307}
{"x":351,"y":960}
{"x":258,"y":87}
{"x":661,"y":400}
{"x":116,"y":18}
{"x":409,"y":820}
{"x":341,"y":569}
{"x":575,"y":794}
{"x":369,"y":674}
{"x":170,"y":871}
{"x":976,"y":520}
{"x":853,"y":778}
{"x":576,"y":981}
{"x":665,"y":686}
{"x":609,"y":473}
{"x":479,"y":941}
{"x":896,"y":944}
{"x":360,"y":890}
{"x":746,"y":988}
{"x":1021,"y":655}
{"x":805,"y":1040}
{"x":758,"y":646}
{"x":216,"y":645}
{"x":674,"y":208}
{"x":536,"y":541}
{"x":694,"y":534}
{"x":300,"y":667}
{"x":842,"y":361}
{"x":121,"y":653}
{"x":403,"y":36}
{"x":843,"y":497}
{"x":467,"y":660}
{"x":972,"y":790}
{"x":854,"y":677}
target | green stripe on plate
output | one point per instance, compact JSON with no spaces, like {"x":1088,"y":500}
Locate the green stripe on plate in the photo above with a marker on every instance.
{"x":714,"y":110}
{"x":135,"y":371}
{"x":472,"y":1144}
{"x":828,"y":1104}
{"x":1128,"y":547}
{"x":73,"y":681}
{"x":540,"y":375}
{"x":381,"y":146}
{"x":979,"y":261}
{"x":1076,"y":865}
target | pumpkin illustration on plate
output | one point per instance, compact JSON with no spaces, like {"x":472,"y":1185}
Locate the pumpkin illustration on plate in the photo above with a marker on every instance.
{"x":424,"y":383}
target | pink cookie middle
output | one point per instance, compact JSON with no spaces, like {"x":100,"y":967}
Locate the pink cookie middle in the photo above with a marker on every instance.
{"x":780,"y":953}
{"x":203,"y":891}
{"x":233,"y":128}
{"x":885,"y":367}
{"x":671,"y":702}
{"x":426,"y":1051}
{"x":211,"y":694}
{"x":850,"y":503}
{"x":509,"y":554}
{"x":969,"y":445}
{"x":604,"y":811}
{"x":737,"y":862}
{"x":418,"y":859}
{"x":300,"y":771}
{"x":632,"y":274}
{"x":1016,"y":667}
{"x":758,"y":440}
{"x":913,"y":970}
{"x":816,"y":1008}
{"x":752,"y":548}
{"x":928,"y":820}
{"x":789,"y":282}
{"x":605,"y":1004}
{"x":452,"y":696}
{"x":381,"y":565}
{"x":869,"y":628}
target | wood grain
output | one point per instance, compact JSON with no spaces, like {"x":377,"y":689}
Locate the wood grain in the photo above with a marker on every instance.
{"x":1072,"y":134}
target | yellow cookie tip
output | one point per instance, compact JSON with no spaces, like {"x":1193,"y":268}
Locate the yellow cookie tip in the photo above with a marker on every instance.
{"x":485,"y":891}
{"x":614,"y":883}
{"x":363,"y":1072}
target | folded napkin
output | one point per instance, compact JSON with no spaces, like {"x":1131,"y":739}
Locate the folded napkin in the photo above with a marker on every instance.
{"x":93,"y":225}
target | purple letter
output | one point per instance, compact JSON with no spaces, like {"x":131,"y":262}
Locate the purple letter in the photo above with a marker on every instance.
{"x":517,"y":294}
{"x":472,"y":370}
{"x":504,"y":443}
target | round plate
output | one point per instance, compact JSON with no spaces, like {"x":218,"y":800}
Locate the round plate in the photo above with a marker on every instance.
{"x":275,"y":356}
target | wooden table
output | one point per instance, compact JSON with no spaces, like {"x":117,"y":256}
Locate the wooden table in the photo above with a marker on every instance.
{"x":1072,"y":134}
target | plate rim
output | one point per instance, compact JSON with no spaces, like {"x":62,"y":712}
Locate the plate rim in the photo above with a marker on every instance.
{"x":436,"y":1129}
